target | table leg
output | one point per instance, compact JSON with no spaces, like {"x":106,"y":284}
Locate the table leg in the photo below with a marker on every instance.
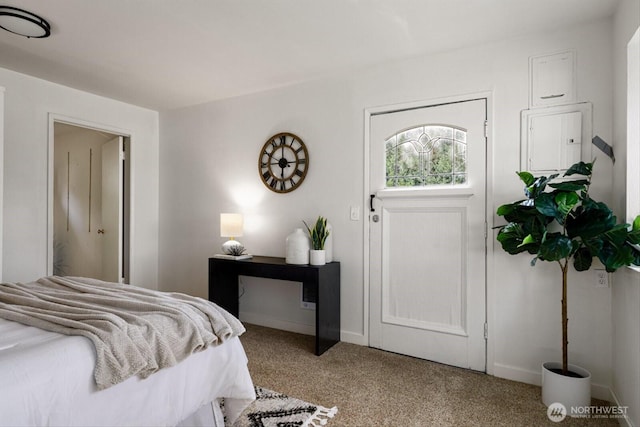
{"x":223,"y":288}
{"x":327,"y":311}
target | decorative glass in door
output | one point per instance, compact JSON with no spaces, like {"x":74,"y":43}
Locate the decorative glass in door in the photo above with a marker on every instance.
{"x":426,"y":155}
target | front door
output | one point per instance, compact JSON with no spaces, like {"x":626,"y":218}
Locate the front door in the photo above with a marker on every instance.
{"x":428,"y":233}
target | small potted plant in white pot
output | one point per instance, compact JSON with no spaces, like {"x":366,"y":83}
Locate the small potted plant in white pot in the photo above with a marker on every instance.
{"x":318,"y":235}
{"x":559,"y":222}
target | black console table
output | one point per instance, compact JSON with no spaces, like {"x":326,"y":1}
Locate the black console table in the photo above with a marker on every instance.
{"x":321,"y":280}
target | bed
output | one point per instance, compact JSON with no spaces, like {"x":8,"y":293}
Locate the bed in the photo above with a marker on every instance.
{"x":48,"y":376}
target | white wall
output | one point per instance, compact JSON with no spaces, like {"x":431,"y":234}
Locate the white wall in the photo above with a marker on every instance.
{"x":209,"y":155}
{"x":626,"y":287}
{"x":28,"y":103}
{"x":208,"y":163}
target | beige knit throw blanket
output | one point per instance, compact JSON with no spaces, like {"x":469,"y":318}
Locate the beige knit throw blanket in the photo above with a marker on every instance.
{"x":135,"y":331}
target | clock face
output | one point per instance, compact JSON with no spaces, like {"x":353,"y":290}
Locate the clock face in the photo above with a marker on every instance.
{"x":283,"y":162}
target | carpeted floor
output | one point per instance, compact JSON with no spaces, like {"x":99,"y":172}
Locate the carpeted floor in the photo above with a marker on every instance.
{"x":376,"y":388}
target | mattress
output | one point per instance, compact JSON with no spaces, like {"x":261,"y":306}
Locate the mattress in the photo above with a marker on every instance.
{"x":47,"y":379}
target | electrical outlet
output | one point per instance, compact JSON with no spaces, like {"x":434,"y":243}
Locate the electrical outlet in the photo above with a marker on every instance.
{"x":307,"y":299}
{"x":308,"y":305}
{"x":602,"y":279}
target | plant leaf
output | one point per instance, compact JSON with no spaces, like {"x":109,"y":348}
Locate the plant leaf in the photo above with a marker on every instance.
{"x":614,"y":257}
{"x":594,"y":245}
{"x":511,"y":237}
{"x":617,"y":235}
{"x":546,"y":205}
{"x":555,"y":247}
{"x":580,"y":168}
{"x":634,"y":237}
{"x":593,"y":219}
{"x":582,"y":259}
{"x":526,"y":177}
{"x":527,"y":240}
{"x":537,"y":187}
{"x":518,"y":212}
{"x":505,"y":209}
{"x":566,"y":202}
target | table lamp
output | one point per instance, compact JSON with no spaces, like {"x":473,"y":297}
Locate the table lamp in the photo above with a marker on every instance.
{"x":230,"y":226}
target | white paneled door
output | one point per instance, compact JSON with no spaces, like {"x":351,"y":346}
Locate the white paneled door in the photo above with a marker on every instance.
{"x":428,"y":233}
{"x":112,"y":215}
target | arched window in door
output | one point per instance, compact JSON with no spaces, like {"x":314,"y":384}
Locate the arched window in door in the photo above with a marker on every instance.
{"x":426,"y":155}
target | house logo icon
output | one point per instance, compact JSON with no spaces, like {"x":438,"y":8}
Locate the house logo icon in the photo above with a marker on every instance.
{"x":556,"y":412}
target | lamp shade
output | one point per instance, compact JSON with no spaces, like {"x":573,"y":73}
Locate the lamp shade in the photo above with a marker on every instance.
{"x":231,"y":225}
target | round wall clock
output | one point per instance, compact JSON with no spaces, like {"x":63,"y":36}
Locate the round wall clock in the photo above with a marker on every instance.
{"x":283,"y":162}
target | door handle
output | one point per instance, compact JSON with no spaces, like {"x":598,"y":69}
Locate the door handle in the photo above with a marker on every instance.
{"x":374,"y":218}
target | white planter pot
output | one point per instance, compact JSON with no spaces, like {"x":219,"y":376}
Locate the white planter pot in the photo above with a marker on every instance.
{"x":317,"y":257}
{"x":570,"y":391}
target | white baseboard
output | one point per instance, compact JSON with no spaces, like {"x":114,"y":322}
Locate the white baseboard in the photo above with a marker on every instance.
{"x":626,"y":421}
{"x":517,"y":374}
{"x":513,"y":373}
{"x":272,"y":322}
{"x":300,"y":328}
{"x":353,"y":338}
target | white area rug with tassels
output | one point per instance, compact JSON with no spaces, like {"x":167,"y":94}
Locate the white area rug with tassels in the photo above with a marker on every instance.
{"x":272,"y":409}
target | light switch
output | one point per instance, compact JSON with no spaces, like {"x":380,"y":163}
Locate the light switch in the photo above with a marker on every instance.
{"x":354,"y":213}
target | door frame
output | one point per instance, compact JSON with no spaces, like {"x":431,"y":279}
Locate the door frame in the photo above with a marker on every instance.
{"x":1,"y":176}
{"x":127,"y":217}
{"x":489,"y":274}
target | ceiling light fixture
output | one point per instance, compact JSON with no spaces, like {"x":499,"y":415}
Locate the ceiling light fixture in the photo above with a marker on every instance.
{"x":23,"y":23}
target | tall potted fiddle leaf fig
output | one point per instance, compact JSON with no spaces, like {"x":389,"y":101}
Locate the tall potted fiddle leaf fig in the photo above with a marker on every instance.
{"x":559,"y":222}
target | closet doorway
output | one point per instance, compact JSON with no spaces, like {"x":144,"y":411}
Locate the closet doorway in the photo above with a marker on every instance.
{"x":89,"y":203}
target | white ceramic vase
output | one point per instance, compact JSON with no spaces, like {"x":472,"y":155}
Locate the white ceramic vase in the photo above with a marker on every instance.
{"x":328,"y":245}
{"x":317,"y":257}
{"x":570,"y":391}
{"x":297,"y":247}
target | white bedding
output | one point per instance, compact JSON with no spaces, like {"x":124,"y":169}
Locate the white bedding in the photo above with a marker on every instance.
{"x":47,"y":379}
